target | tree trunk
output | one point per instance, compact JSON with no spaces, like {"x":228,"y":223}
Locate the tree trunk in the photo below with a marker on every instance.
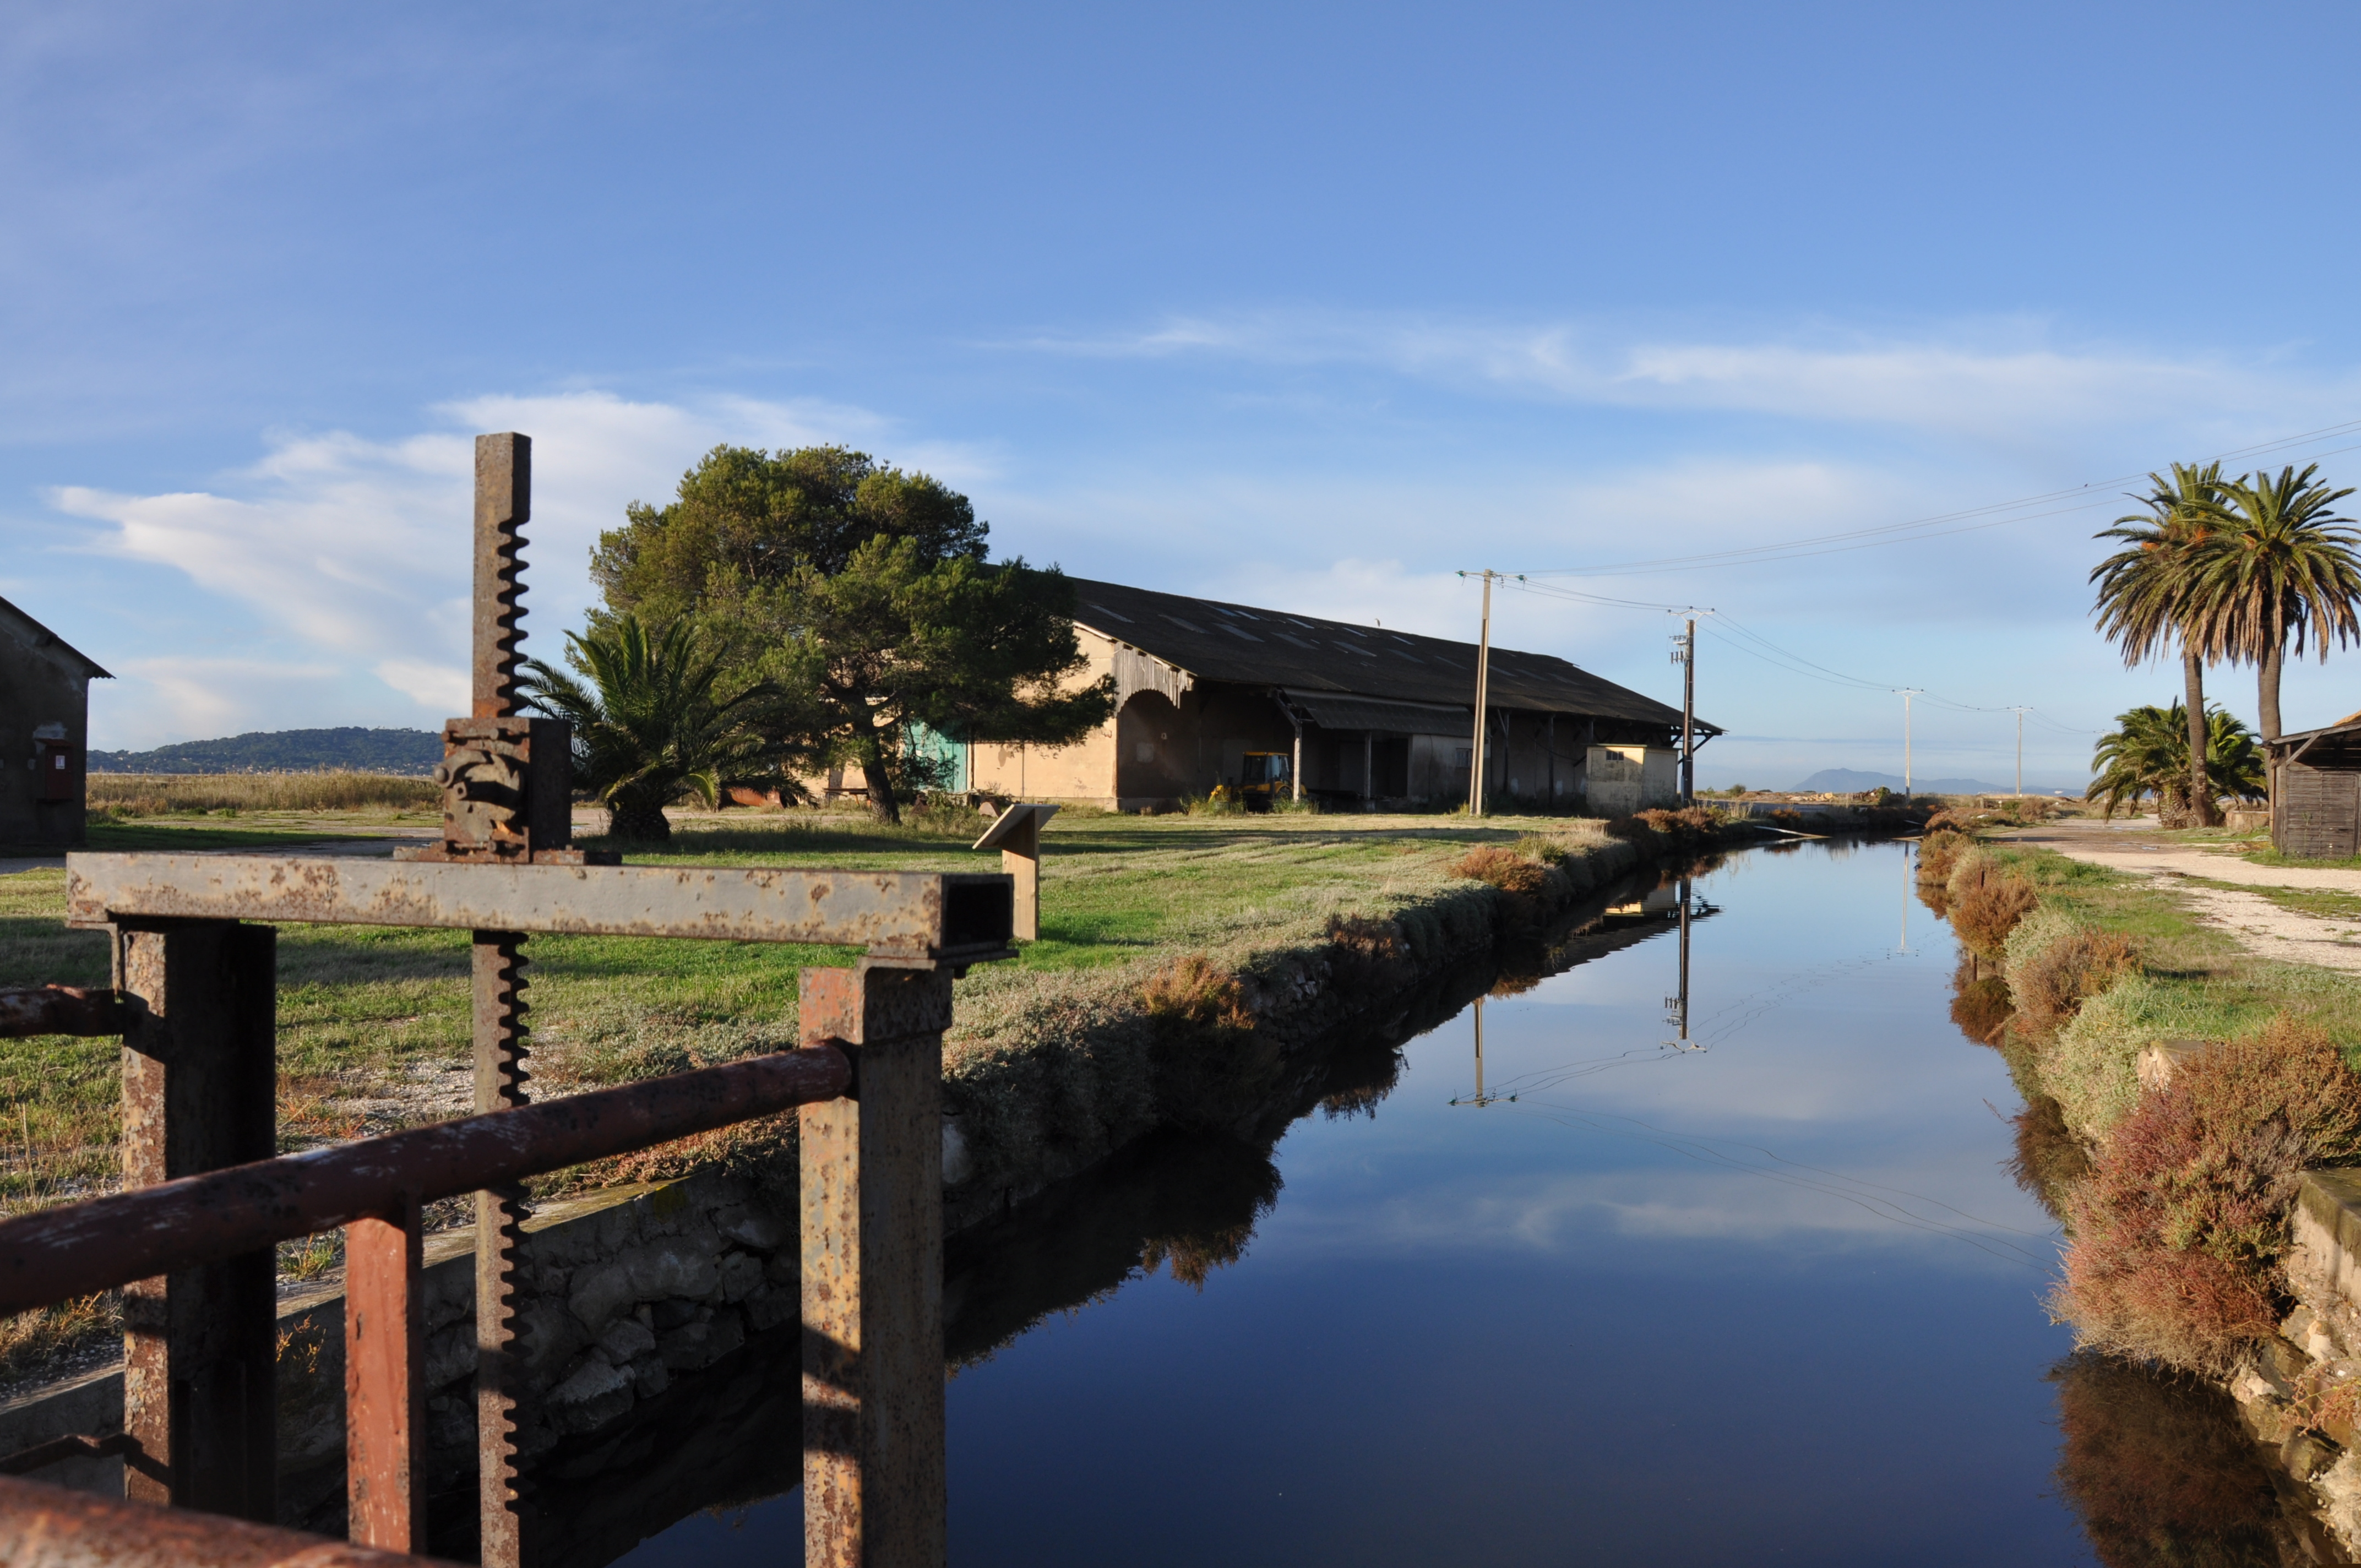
{"x":2200,"y":786}
{"x":2268,"y":698}
{"x":637,"y":817}
{"x":872,"y":769}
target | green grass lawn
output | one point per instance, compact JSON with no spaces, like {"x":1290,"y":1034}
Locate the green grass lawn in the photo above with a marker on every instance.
{"x":2218,"y":991}
{"x":373,"y":1022}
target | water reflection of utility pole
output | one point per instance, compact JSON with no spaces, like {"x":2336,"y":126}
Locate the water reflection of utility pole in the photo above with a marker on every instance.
{"x":1481,"y":1098}
{"x":1677,"y":1007}
{"x":1905,"y":948}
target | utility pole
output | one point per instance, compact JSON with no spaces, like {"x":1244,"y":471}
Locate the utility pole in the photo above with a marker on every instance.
{"x":1483,"y":691}
{"x":2020,"y":713}
{"x":1685,"y":657}
{"x":1907,"y":693}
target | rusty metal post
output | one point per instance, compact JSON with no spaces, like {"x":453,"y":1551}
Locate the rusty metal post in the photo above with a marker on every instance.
{"x":503,"y":505}
{"x":385,"y":1387}
{"x":873,"y":1244}
{"x":199,"y":1085}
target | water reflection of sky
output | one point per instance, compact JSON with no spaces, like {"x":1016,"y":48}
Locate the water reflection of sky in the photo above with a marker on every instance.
{"x":1771,"y":1300}
{"x":1714,"y":1306}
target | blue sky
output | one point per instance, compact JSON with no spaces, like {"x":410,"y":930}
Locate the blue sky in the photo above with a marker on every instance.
{"x":1303,"y":306}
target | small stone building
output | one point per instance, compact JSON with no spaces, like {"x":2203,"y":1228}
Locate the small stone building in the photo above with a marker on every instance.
{"x":1370,"y":716}
{"x":2319,"y":807}
{"x":44,"y":735}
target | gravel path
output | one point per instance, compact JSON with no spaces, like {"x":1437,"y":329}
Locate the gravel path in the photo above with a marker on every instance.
{"x":2254,"y":922}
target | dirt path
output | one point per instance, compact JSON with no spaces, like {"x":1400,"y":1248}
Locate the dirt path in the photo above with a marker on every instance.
{"x":2254,"y":922}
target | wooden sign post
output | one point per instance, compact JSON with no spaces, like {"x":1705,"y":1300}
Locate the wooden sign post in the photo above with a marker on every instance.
{"x":1016,"y":834}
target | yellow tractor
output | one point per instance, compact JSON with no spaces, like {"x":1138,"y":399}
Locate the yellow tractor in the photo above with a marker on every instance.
{"x":1263,"y":778}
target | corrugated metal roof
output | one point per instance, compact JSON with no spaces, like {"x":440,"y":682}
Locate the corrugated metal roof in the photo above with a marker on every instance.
{"x":1253,"y":646}
{"x":1333,"y":712}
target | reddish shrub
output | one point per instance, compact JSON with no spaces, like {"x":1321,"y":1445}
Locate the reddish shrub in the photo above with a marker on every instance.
{"x":2180,"y":1229}
{"x":1504,"y":869}
{"x":1938,"y":854}
{"x":1980,"y":1007}
{"x":1987,"y":901}
{"x":2053,"y":984}
{"x":1662,"y":831}
{"x":2160,"y":1469}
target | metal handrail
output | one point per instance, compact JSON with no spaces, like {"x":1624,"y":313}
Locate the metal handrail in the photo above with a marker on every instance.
{"x":55,"y":1255}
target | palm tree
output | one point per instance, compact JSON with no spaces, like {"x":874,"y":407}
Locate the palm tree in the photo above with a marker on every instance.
{"x":2277,"y":572}
{"x":2147,"y":753}
{"x":654,"y":725}
{"x":2146,"y":593}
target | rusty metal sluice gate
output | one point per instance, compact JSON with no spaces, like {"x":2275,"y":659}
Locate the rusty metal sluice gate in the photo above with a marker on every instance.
{"x":191,"y":1238}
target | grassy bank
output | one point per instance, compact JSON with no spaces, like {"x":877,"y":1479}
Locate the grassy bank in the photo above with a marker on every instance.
{"x":373,"y":1021}
{"x":2176,"y":1195}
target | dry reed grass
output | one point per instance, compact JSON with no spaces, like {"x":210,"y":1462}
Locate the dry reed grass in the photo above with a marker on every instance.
{"x":160,"y":794}
{"x":2180,"y":1229}
{"x":1192,"y":990}
{"x":30,"y":1340}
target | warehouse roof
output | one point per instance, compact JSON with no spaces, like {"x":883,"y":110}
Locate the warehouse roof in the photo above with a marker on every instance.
{"x":1308,"y":655}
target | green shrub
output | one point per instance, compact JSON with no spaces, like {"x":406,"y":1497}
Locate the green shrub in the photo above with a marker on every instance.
{"x":1540,"y":848}
{"x":2180,"y":1229}
{"x":2092,"y":1064}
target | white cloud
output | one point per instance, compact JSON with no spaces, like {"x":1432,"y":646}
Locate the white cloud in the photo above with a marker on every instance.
{"x":1984,"y":381}
{"x":155,"y":700}
{"x":444,"y":687}
{"x":357,"y":550}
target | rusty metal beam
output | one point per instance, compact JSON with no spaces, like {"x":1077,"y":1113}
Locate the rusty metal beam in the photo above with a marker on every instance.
{"x":955,"y":916}
{"x":503,"y":506}
{"x":55,"y":1254}
{"x":873,"y":1274}
{"x":200,"y":1336}
{"x":49,"y":1526}
{"x":61,"y":1010}
{"x":385,"y":1386}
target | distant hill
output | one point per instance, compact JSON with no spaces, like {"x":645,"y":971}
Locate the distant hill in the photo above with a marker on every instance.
{"x":1845,"y":781}
{"x":286,"y":752}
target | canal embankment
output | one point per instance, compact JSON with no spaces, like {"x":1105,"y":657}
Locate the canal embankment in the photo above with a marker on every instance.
{"x":2192,"y":1116}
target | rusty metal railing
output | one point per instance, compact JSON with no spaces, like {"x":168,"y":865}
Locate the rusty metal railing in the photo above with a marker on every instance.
{"x":375,"y":1189}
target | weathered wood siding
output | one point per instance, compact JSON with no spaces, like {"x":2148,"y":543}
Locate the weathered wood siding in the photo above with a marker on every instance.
{"x":2320,"y":812}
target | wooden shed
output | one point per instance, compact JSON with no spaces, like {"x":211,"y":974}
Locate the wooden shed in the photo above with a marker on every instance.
{"x":2318,"y":805}
{"x":44,"y":735}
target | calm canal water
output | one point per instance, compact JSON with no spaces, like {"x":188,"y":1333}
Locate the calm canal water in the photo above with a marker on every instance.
{"x":1769,"y":1297}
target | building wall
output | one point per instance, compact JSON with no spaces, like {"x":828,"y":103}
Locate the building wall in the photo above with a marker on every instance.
{"x":44,"y":710}
{"x":1626,"y":778}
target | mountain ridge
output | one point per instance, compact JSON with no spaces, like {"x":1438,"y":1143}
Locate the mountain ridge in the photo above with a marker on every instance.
{"x":346,"y":749}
